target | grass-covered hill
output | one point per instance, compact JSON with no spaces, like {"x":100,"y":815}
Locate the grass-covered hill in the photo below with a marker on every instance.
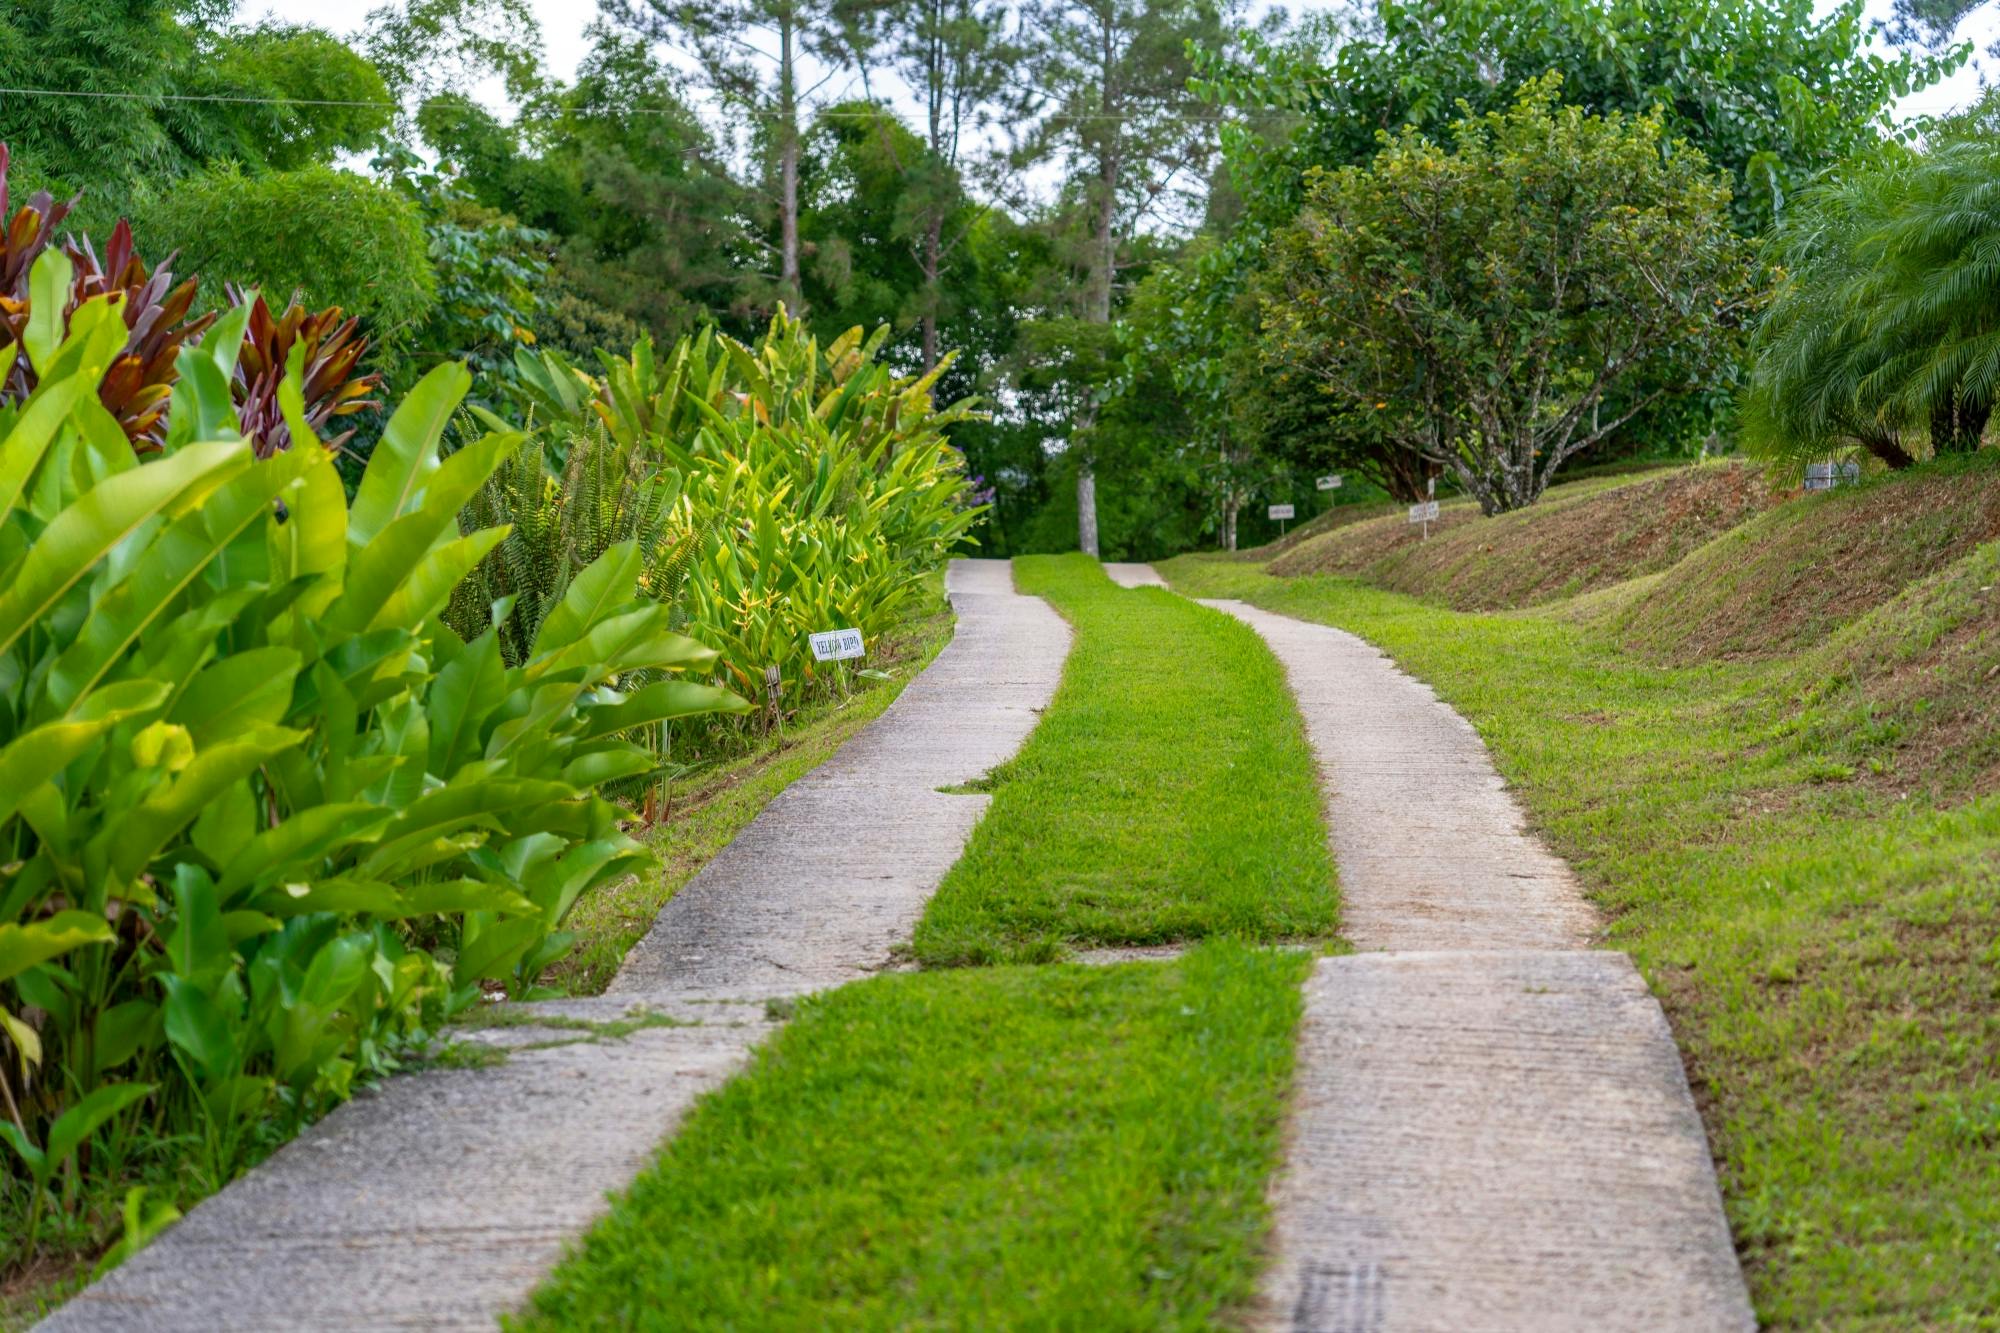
{"x":1585,"y":535}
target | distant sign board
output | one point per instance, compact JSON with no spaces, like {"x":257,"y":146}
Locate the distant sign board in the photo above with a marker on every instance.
{"x":1281,"y":511}
{"x":836,"y":644}
{"x":1331,"y":483}
{"x":1826,"y":476}
{"x":1426,"y":512}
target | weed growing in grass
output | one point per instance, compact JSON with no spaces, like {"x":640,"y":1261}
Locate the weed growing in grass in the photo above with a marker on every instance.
{"x":1167,"y":794}
{"x":1825,"y":947}
{"x":1070,"y":1147}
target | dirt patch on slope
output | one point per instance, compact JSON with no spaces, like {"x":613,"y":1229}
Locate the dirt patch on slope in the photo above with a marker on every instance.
{"x":1578,"y":539}
{"x":1787,"y":580}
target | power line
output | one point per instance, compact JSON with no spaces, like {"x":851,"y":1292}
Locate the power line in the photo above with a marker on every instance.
{"x":235,"y":100}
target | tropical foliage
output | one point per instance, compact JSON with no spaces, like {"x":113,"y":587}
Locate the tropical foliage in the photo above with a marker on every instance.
{"x":266,"y":818}
{"x":775,"y":489}
{"x":1884,"y":334}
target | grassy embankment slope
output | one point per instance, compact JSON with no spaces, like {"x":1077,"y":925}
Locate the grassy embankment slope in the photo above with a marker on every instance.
{"x":1026,"y":1146}
{"x":1775,"y":762}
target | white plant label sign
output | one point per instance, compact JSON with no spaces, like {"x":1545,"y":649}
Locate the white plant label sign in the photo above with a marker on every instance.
{"x":1424,"y":513}
{"x":835,"y":645}
{"x":1331,"y":483}
{"x":1826,"y":476}
{"x":1281,"y":511}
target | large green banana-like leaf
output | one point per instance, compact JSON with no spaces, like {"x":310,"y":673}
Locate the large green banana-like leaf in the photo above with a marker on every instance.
{"x":313,"y":538}
{"x":202,"y":406}
{"x":482,"y":801}
{"x":496,"y":948}
{"x":86,"y":531}
{"x":428,"y":587}
{"x":35,"y":756}
{"x":48,"y":296}
{"x":23,"y":947}
{"x":303,"y":841}
{"x":236,"y":694}
{"x":406,"y":455}
{"x":171,"y":563}
{"x":661,"y":702}
{"x":130,"y":842}
{"x":464,"y":695}
{"x":380,"y":568}
{"x":33,"y":430}
{"x":606,"y":584}
{"x":78,"y":1123}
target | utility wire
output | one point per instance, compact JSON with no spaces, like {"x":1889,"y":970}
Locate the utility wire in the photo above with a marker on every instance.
{"x":235,"y":100}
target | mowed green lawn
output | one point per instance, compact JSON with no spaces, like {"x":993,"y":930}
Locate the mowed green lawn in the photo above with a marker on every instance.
{"x":1168,"y":794}
{"x":1058,"y":1146}
{"x":1019,"y":1147}
{"x":1827,"y":945}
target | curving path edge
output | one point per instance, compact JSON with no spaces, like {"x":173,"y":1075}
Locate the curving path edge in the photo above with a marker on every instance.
{"x":1491,"y":1128}
{"x":439,"y":1200}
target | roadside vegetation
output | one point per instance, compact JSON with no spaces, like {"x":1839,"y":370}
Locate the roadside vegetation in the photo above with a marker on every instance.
{"x":1056,"y":1147}
{"x":295,"y":770}
{"x":1168,"y":794}
{"x":702,"y":809}
{"x":1795,"y":846}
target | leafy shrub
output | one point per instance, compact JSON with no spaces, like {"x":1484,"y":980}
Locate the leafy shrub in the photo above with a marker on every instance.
{"x":332,"y":237}
{"x":1884,"y":326}
{"x":804,"y":488}
{"x":264,"y":818}
{"x":1509,"y":302}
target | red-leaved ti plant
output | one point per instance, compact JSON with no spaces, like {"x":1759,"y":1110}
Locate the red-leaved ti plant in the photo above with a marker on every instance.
{"x":139,"y":383}
{"x":333,"y":349}
{"x":23,"y":237}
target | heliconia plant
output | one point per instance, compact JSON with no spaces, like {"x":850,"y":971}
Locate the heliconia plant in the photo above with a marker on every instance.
{"x":815,"y":486}
{"x":265,"y":819}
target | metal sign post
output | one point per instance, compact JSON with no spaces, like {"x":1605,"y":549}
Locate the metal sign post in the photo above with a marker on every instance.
{"x":1280,"y":513}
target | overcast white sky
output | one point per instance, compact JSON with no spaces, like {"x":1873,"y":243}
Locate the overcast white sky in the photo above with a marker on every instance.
{"x":563,"y":23}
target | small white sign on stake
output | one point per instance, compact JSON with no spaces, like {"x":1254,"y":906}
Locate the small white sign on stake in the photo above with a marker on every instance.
{"x":836,"y":645}
{"x":1426,"y":512}
{"x":1329,"y":483}
{"x":1281,"y":511}
{"x":1826,"y":476}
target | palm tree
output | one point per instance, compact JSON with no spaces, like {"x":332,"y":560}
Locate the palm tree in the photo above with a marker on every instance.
{"x":1886,"y":318}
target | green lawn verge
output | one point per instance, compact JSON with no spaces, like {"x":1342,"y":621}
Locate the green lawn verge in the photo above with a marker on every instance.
{"x":1826,"y":944}
{"x":1168,"y":793}
{"x":1056,"y":1147}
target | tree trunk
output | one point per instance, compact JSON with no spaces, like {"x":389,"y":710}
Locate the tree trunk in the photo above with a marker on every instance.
{"x":788,"y":168}
{"x":933,"y":252}
{"x":1956,"y":425}
{"x":1086,"y":511}
{"x":1403,"y":474}
{"x":1103,"y":261}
